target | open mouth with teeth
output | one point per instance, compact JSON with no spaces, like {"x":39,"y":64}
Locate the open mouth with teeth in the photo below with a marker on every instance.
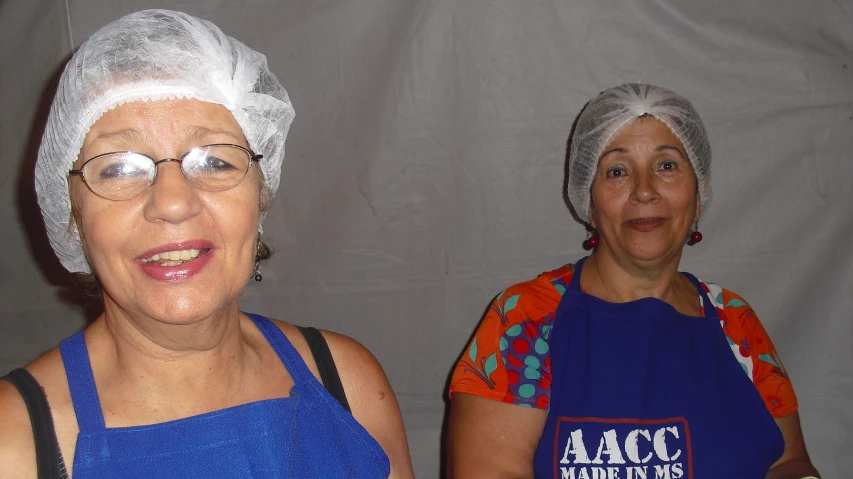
{"x":175,"y":258}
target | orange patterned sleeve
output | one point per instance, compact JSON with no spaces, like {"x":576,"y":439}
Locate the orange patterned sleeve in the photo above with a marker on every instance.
{"x":480,"y":371}
{"x":754,"y":350}
{"x":524,"y":310}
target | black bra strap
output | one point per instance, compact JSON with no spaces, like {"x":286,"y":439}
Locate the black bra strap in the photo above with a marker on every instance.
{"x":325,"y":364}
{"x":48,"y":456}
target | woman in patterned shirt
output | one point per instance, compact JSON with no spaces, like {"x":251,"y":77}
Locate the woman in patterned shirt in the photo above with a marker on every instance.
{"x":619,"y":366}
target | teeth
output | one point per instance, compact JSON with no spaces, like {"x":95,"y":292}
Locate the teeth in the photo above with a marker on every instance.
{"x":173,"y":258}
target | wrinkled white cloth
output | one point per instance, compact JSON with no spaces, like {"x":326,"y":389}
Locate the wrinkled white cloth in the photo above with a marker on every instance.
{"x":615,"y":108}
{"x":148,"y":56}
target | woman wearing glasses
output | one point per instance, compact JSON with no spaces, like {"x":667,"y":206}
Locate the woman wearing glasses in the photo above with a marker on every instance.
{"x":162,"y":151}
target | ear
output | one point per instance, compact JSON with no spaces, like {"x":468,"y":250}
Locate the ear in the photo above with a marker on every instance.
{"x":74,"y":223}
{"x":591,"y":213}
{"x":698,"y":209}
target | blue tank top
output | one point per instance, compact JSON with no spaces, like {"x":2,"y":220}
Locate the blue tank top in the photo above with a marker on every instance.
{"x":306,"y":435}
{"x":641,"y":391}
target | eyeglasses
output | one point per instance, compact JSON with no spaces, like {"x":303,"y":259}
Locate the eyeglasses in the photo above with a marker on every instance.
{"x":122,"y":175}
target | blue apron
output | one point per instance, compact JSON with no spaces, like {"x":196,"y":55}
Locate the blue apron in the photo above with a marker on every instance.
{"x":305,"y":435}
{"x":641,"y":391}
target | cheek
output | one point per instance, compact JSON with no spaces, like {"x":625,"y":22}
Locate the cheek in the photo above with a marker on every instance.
{"x":104,"y":226}
{"x":106,"y":232}
{"x":608,"y":199}
{"x":85,"y":215}
{"x":684,"y":195}
{"x":238,"y":216}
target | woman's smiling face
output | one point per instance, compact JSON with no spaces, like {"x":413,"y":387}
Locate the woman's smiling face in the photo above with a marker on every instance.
{"x":212,"y":236}
{"x":644,"y":194}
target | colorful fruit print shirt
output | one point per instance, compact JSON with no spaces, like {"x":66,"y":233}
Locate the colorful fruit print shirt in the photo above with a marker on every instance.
{"x":509,"y":357}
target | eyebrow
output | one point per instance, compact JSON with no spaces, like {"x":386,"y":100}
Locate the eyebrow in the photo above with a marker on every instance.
{"x":199,"y":132}
{"x":673,"y":148}
{"x":614,"y":150}
{"x":659,"y":148}
{"x":128,"y":134}
{"x":192,"y":133}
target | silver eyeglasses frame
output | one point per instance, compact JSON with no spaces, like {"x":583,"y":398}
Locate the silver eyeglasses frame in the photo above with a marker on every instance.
{"x":253,"y":158}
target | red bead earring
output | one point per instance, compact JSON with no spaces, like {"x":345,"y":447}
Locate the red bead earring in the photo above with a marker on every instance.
{"x":591,"y":242}
{"x":695,"y":236}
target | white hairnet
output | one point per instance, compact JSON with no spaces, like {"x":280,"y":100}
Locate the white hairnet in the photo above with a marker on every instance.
{"x":147,"y":56}
{"x":615,"y":108}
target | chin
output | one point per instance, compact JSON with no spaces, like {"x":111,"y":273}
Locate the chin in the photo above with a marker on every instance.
{"x":189,"y":309}
{"x":648,"y":250}
{"x":178,"y":308}
{"x":179,"y":317}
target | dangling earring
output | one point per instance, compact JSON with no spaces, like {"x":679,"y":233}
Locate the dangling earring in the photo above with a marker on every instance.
{"x":591,"y":242}
{"x":695,"y":236}
{"x":256,"y":272}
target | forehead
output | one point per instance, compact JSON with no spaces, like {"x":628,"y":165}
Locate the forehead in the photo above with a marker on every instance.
{"x":164,"y":120}
{"x":644,"y":132}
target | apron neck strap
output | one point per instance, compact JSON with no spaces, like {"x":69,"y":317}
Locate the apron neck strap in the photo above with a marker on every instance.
{"x":575,"y":283}
{"x":710,"y":311}
{"x":707,"y":305}
{"x":81,"y":383}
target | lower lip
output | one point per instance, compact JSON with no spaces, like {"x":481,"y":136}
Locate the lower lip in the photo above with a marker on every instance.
{"x":645,"y":225}
{"x":176,"y":273}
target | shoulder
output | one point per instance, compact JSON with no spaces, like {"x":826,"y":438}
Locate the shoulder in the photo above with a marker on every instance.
{"x":351,"y":356}
{"x":359,"y":369}
{"x":372,"y":400}
{"x":724,"y":299}
{"x":366,"y":386}
{"x":363,"y":378}
{"x":513,"y":335}
{"x":355,"y":363}
{"x":17,"y":447}
{"x":367,"y":389}
{"x":754,"y":350}
{"x":736,"y":314}
{"x":739,"y":321}
{"x":530,"y":304}
{"x":546,"y":285}
{"x":532,"y":299}
{"x":295,"y":337}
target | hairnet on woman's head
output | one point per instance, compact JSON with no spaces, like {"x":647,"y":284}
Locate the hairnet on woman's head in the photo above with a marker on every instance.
{"x":148,"y":56}
{"x":617,"y":107}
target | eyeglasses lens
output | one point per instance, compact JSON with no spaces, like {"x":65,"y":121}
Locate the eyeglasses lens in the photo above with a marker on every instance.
{"x":124,"y":175}
{"x":119,"y":176}
{"x":216,"y":168}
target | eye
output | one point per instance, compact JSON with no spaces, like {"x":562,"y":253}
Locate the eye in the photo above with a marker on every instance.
{"x":120,"y":167}
{"x":113,"y":170}
{"x":668,"y":164}
{"x":213,"y":159}
{"x":213,"y":163}
{"x":616,"y":171}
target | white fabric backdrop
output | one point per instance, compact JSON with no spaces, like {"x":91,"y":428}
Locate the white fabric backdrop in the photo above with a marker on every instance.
{"x":425,"y":168}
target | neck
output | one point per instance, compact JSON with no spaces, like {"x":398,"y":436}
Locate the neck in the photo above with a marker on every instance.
{"x":143,"y":347}
{"x":620,"y":280}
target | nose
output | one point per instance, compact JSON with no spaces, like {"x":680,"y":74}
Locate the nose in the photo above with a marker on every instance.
{"x":172,"y":198}
{"x":645,"y":189}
